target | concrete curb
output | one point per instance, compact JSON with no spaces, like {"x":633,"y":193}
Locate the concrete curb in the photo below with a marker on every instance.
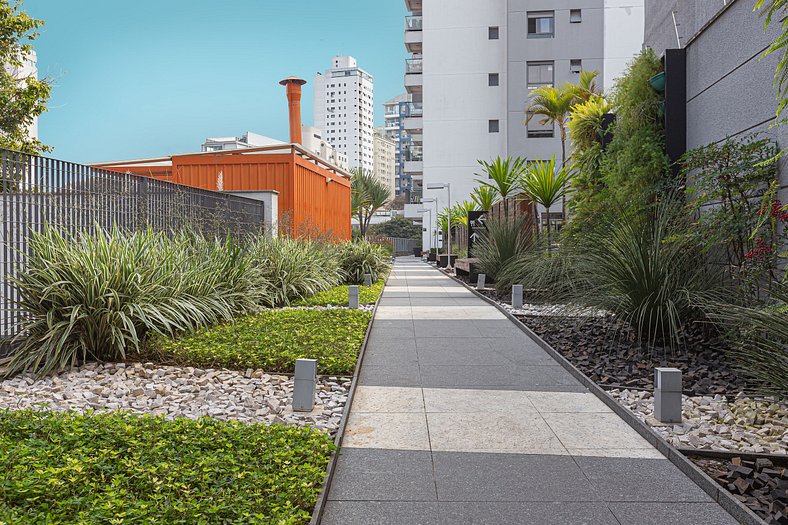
{"x":735,"y":508}
{"x":322,"y":499}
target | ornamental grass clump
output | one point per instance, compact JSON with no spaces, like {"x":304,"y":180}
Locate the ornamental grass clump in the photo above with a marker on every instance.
{"x":501,"y":242}
{"x":94,"y":296}
{"x":643,"y":268}
{"x":295,"y":268}
{"x":360,"y":257}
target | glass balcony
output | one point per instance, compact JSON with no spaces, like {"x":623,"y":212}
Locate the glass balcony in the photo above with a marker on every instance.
{"x":413,"y":66}
{"x":413,"y":23}
{"x":413,"y":109}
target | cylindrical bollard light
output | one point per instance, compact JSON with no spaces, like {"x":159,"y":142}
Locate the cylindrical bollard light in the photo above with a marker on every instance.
{"x":667,"y":395}
{"x":367,"y":279}
{"x":352,"y":292}
{"x":480,"y":281}
{"x":304,"y":385}
{"x":517,"y":295}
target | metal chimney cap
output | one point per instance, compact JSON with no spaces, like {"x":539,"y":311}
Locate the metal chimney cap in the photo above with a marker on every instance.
{"x":294,"y":80}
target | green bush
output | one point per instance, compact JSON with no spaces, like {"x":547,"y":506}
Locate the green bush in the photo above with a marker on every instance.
{"x":296,"y":268}
{"x":500,"y":242}
{"x":357,"y":258}
{"x":338,"y":296}
{"x":759,"y":337}
{"x":642,"y":268}
{"x":272,"y":340}
{"x":95,"y":296}
{"x":397,"y":226}
{"x":118,"y":468}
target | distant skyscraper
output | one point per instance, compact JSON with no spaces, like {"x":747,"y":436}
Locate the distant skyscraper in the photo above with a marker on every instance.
{"x":344,"y":108}
{"x":385,"y":155}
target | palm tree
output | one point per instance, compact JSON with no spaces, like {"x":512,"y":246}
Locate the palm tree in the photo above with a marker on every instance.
{"x":586,"y":88}
{"x":553,"y":105}
{"x":543,"y":185}
{"x":485,"y":197}
{"x":459,"y":212}
{"x":501,"y":176}
{"x":367,"y":195}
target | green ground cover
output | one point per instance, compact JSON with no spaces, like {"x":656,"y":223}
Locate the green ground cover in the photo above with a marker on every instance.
{"x":338,"y":296}
{"x":118,"y":468}
{"x":272,"y":340}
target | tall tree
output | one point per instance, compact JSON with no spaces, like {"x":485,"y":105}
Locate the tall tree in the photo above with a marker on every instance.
{"x":367,"y":195}
{"x":22,"y":96}
{"x":502,"y":176}
{"x":552,"y":106}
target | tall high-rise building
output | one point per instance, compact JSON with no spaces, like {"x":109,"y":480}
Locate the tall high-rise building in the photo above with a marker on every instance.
{"x":403,"y":126}
{"x":474,"y":64}
{"x":344,"y":109}
{"x":385,"y":156}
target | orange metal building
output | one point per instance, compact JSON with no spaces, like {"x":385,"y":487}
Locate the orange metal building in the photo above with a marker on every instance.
{"x":314,"y":196}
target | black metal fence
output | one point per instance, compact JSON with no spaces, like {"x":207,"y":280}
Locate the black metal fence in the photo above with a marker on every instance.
{"x":36,"y":192}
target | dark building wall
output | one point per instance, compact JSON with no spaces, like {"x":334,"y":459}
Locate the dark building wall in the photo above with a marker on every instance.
{"x":729,"y":89}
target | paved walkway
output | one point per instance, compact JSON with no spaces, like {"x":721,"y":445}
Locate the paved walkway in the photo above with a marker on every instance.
{"x":459,"y":419}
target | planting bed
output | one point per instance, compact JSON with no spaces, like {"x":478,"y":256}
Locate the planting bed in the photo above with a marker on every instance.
{"x":761,"y":484}
{"x":600,"y":348}
{"x":251,"y":396}
{"x":118,"y":468}
{"x":272,"y":341}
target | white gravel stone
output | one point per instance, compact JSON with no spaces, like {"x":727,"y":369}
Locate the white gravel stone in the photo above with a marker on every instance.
{"x":712,"y":422}
{"x":251,"y":396}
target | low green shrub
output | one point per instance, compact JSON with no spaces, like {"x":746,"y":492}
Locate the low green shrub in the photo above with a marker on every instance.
{"x":272,"y":340}
{"x":500,"y":242}
{"x":338,"y":296}
{"x":397,"y":226}
{"x":296,"y":268}
{"x":759,"y":337}
{"x":94,"y":296}
{"x":642,"y":267}
{"x":118,"y":468}
{"x":357,"y":258}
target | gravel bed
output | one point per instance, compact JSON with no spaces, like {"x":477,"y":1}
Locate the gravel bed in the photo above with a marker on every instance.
{"x":761,"y":484}
{"x":752,"y":425}
{"x":363,"y":307}
{"x":251,"y":396}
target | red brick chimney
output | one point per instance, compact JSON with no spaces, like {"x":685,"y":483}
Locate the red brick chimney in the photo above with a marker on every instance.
{"x":293,"y":85}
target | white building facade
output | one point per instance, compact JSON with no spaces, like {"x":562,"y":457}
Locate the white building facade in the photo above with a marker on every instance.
{"x":475,"y":62}
{"x":384,"y":161}
{"x":344,"y":108}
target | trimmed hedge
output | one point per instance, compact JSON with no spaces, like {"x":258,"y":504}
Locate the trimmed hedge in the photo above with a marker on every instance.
{"x":118,"y":468}
{"x":338,"y":296}
{"x":273,"y":340}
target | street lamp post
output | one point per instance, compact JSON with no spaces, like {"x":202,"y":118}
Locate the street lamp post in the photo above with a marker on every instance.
{"x":429,"y":224}
{"x":445,"y":186}
{"x":433,"y":232}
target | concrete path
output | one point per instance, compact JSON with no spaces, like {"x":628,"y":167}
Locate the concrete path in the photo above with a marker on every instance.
{"x":459,"y":419}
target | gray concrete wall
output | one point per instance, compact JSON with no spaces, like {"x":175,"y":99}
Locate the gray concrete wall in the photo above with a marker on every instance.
{"x":729,"y":88}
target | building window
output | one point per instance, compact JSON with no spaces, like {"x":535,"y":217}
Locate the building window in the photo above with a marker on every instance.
{"x":575,"y":16}
{"x":540,"y":74}
{"x":540,"y":24}
{"x":575,"y":65}
{"x":493,"y":79}
{"x":536,"y":129}
{"x":492,"y":33}
{"x":493,"y":126}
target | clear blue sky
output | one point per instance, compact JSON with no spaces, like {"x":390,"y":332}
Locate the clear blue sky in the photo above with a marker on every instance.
{"x":139,"y":78}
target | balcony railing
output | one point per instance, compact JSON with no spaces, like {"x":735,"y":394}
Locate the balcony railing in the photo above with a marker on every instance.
{"x":413,"y":23}
{"x":413,"y":66}
{"x":413,"y":109}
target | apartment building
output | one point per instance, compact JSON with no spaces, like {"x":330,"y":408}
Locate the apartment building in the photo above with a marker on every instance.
{"x":385,"y":155}
{"x":344,"y":109}
{"x":474,"y":64}
{"x":396,"y":111}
